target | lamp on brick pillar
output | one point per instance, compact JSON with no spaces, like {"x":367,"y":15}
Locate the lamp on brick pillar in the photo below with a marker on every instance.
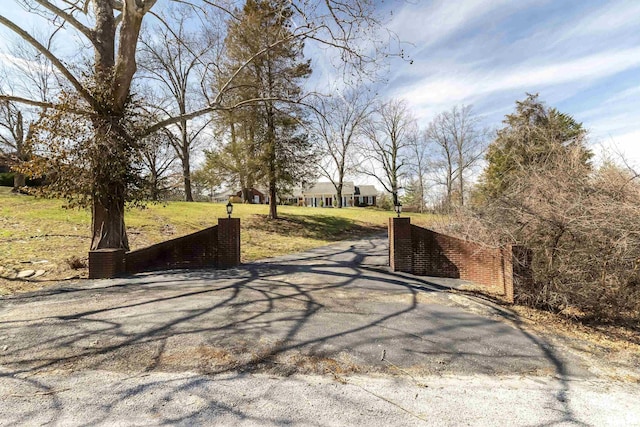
{"x":398,"y":208}
{"x":229,"y":209}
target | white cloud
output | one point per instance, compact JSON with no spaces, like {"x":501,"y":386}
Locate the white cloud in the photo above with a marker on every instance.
{"x":605,"y":20}
{"x":452,"y":88}
{"x":426,"y":25}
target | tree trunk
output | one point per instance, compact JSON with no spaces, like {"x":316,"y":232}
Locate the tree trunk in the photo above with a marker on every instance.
{"x":186,"y":172}
{"x":273,"y":210}
{"x":339,"y":195}
{"x":421,"y":188}
{"x":271,"y":160}
{"x":461,"y":181}
{"x":19,"y":181}
{"x":109,"y":187}
{"x":155,"y":191}
{"x":246,"y":195}
{"x":108,"y":226}
{"x":271,"y":156}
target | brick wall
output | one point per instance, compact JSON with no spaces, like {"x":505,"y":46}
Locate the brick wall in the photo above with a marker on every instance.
{"x":427,"y":253}
{"x":217,"y":246}
{"x":191,"y":251}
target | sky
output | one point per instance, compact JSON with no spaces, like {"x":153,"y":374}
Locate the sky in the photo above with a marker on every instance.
{"x":582,"y":57}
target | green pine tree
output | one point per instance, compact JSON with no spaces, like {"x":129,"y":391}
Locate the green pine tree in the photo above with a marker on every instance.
{"x":533,"y":136}
{"x":272,"y":69}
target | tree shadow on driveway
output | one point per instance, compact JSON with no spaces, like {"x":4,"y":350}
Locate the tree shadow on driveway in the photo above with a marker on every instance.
{"x":334,"y":310}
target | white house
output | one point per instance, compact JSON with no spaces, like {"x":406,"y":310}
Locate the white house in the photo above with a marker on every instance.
{"x":323,"y":194}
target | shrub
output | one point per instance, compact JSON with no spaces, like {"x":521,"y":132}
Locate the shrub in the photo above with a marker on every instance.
{"x":582,"y":227}
{"x":384,"y":202}
{"x":6,"y":179}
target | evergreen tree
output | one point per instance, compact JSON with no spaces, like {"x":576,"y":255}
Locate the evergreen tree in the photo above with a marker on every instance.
{"x":533,"y":137}
{"x":236,"y":159}
{"x":265,"y":91}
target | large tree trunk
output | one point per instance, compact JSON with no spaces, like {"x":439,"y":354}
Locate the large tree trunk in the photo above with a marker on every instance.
{"x":339,"y":195}
{"x":109,"y":194}
{"x":188,"y":194}
{"x":461,"y":179}
{"x":273,"y":210}
{"x":186,"y":163}
{"x":246,"y":195}
{"x":271,"y":160}
{"x":19,"y":181}
{"x":109,"y":186}
{"x":421,"y":184}
{"x":155,"y":191}
{"x":108,"y":226}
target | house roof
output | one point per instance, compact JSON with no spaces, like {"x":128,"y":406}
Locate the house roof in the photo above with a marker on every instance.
{"x":366,"y":190}
{"x":329,"y":189}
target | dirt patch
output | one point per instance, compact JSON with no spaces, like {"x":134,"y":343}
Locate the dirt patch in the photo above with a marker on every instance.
{"x":271,"y":358}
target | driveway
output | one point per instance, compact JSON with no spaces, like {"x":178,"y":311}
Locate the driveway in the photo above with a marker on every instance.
{"x":325,"y":337}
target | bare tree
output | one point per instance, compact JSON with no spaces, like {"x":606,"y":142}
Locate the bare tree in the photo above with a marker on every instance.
{"x":157,"y":158}
{"x":29,"y":73}
{"x":460,"y":144}
{"x":419,"y":160}
{"x":14,"y":138}
{"x":386,"y":147}
{"x":339,"y":121}
{"x":102,"y":100}
{"x":176,"y":58}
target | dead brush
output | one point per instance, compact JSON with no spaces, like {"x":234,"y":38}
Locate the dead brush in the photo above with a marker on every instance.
{"x":76,"y":263}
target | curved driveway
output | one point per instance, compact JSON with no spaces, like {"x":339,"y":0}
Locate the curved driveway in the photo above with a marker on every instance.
{"x":335,"y":311}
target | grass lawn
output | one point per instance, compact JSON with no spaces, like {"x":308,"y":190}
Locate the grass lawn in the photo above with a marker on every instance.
{"x":36,"y":230}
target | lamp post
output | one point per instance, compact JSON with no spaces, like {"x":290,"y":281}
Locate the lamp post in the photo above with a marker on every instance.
{"x":398,"y":208}
{"x":229,"y":208}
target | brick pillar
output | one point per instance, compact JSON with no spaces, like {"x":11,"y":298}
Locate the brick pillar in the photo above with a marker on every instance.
{"x":228,"y":242}
{"x":400,"y":244}
{"x":106,"y":263}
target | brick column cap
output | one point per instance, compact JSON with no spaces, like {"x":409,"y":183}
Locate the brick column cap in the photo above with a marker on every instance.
{"x":107,"y":250}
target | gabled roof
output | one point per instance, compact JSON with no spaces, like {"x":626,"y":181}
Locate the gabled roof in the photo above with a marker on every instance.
{"x":329,"y":189}
{"x":366,"y":190}
{"x":348,"y":187}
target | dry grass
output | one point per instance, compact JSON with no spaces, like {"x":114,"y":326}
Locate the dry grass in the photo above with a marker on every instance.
{"x":613,"y":349}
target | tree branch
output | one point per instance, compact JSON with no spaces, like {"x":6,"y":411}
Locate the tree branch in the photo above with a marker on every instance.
{"x":51,"y":57}
{"x":41,"y":104}
{"x":67,"y":17}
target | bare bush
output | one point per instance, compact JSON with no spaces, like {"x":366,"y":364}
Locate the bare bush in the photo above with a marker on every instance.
{"x":76,"y":263}
{"x":583,"y":228}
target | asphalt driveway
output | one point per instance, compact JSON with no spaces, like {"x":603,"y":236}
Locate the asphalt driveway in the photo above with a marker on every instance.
{"x":336,"y":312}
